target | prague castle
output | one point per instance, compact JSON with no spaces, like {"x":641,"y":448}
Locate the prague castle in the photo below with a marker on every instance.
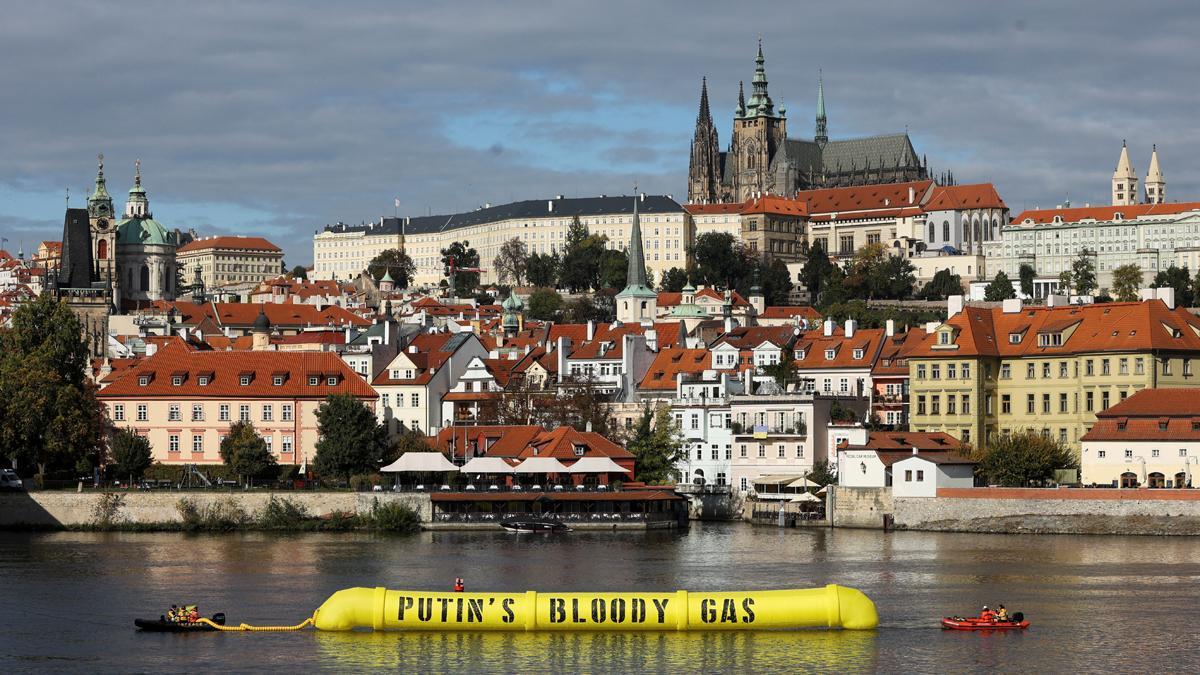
{"x":762,"y":159}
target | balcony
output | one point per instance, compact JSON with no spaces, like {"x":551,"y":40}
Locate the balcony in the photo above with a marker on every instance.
{"x":711,"y":401}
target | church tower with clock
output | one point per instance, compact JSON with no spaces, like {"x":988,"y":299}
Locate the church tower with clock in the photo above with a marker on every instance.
{"x":102,"y":221}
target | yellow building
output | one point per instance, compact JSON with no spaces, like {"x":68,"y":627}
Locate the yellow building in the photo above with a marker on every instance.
{"x":1003,"y":369}
{"x":230,"y":260}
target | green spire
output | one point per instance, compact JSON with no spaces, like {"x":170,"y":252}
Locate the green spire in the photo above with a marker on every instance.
{"x":99,"y":202}
{"x":822,"y":135}
{"x":636,"y":282}
{"x":760,"y":100}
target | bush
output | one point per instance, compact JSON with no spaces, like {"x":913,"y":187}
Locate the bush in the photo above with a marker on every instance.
{"x":220,"y":516}
{"x":363,"y":482}
{"x":394,"y":516}
{"x":107,"y":511}
{"x":283,"y":514}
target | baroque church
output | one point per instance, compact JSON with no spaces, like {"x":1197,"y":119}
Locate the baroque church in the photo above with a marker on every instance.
{"x":762,"y":159}
{"x":112,"y":264}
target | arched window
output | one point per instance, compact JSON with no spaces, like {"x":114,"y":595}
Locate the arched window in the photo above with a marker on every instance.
{"x":102,"y":249}
{"x":946,"y":230}
{"x":144,"y":282}
{"x":995,"y":230}
{"x":978,"y":231}
{"x":932,"y":232}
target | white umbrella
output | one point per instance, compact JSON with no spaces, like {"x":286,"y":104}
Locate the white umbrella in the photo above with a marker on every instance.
{"x":487,"y":465}
{"x":805,"y":497}
{"x":420,"y":462}
{"x":540,"y":465}
{"x":597,"y":465}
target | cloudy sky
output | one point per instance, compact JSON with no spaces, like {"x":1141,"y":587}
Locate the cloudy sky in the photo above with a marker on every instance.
{"x":277,"y":118}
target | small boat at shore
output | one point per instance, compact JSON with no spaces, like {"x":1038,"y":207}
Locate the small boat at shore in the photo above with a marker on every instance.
{"x":161,"y":625}
{"x":533,"y":525}
{"x":1018,"y":622}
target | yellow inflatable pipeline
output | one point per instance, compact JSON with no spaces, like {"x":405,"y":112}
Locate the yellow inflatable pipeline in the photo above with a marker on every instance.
{"x":381,"y":609}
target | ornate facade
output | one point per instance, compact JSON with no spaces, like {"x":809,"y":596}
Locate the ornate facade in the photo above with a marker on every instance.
{"x":762,"y":159}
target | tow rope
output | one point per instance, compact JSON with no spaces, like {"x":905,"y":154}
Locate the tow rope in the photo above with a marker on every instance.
{"x":261,"y":629}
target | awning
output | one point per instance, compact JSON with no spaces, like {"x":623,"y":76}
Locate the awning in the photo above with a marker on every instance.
{"x":802,"y":483}
{"x":487,"y":465}
{"x":420,"y":462}
{"x":540,"y":465}
{"x":805,"y":497}
{"x":776,"y":480}
{"x":597,"y":465}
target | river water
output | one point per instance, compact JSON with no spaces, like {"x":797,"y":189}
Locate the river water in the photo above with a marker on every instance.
{"x":1108,"y":604}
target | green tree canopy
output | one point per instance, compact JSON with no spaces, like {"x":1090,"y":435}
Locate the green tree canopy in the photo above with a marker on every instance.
{"x":395,"y":263}
{"x":785,"y":370}
{"x":300,"y":272}
{"x":1178,"y":279}
{"x":464,"y":257}
{"x":351,"y":440}
{"x":943,"y":284}
{"x":583,"y":254}
{"x":1083,"y":273}
{"x":544,"y":304}
{"x":246,"y":453}
{"x":816,"y":270}
{"x":512,"y":262}
{"x":542,"y":270}
{"x":49,"y":414}
{"x":1127,"y":280}
{"x":130,"y":454}
{"x":1027,"y":274}
{"x":656,"y":447}
{"x":720,"y":260}
{"x":614,"y":269}
{"x":999,"y":289}
{"x":1021,"y":459}
{"x":673,"y":280}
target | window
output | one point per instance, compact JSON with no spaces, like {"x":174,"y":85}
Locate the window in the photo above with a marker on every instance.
{"x":1166,"y":366}
{"x":277,"y":380}
{"x":286,"y":412}
{"x":1187,"y":367}
{"x":197,"y":412}
{"x":944,"y":337}
{"x":141,"y":412}
{"x":908,"y":475}
{"x":1062,"y":369}
{"x":1104,"y":367}
{"x":782,"y":450}
{"x":935,"y":372}
{"x":1062,"y":403}
{"x":966,"y":404}
{"x":966,"y":371}
{"x":314,"y":380}
{"x":1030,"y":371}
{"x":416,"y":399}
{"x":1183,"y":452}
{"x":762,"y":450}
{"x":1046,"y":370}
{"x":1062,"y":434}
{"x":331,"y":381}
{"x":244,"y":413}
{"x":858,"y":354}
{"x":744,"y":484}
{"x":920,"y":475}
{"x":935,"y":405}
{"x":799,"y":452}
{"x":951,"y":371}
{"x":143,"y":380}
{"x":173,"y":443}
{"x":1005,"y":371}
{"x":921,"y":371}
{"x":1005,"y":404}
{"x":966,"y":435}
{"x":1014,"y":338}
{"x":1088,"y":401}
{"x":1122,"y":366}
{"x":197,"y":444}
{"x":1128,"y":454}
{"x":1049,"y":339}
{"x":1045,"y":404}
{"x":1030,"y":405}
{"x":203,"y":380}
{"x":1089,"y":368}
{"x":173,"y":414}
{"x":829,"y":354}
{"x":286,"y":447}
{"x":1104,"y":400}
{"x":244,"y":380}
{"x":268,"y":413}
{"x":176,"y":380}
{"x":1100,"y":454}
{"x":270,"y":441}
{"x":1139,"y":366}
{"x":920,"y":405}
{"x":742,"y":450}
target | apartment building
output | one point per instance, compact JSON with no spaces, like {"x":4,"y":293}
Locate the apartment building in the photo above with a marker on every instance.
{"x":184,"y":401}
{"x":413,"y":384}
{"x":1151,"y":439}
{"x":230,"y":260}
{"x":987,"y":371}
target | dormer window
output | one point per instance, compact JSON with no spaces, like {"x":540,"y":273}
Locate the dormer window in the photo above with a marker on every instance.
{"x":396,"y":374}
{"x":176,"y":380}
{"x":1014,"y":338}
{"x":332,"y":380}
{"x":143,"y":380}
{"x":244,"y":380}
{"x":829,"y":354}
{"x":580,"y":449}
{"x":277,"y":380}
{"x":1050,"y":339}
{"x":799,"y":354}
{"x":944,"y":337}
{"x":203,"y":380}
{"x":314,"y":380}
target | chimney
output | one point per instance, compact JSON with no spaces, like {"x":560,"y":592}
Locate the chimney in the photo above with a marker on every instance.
{"x":652,"y":340}
{"x":591,"y":329}
{"x":912,"y":194}
{"x":851,"y":324}
{"x":151,"y":348}
{"x":890,"y":324}
{"x":1167,"y":295}
{"x":828,"y":332}
{"x":1054,"y":300}
{"x":954,"y":306}
{"x":930,"y":327}
{"x":1011,"y":306}
{"x":387,"y":331}
{"x":550,"y":206}
{"x":728,"y":324}
{"x":914,"y":447}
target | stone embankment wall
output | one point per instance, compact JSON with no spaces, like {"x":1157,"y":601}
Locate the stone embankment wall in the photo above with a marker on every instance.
{"x":53,"y":509}
{"x":1053,"y":511}
{"x":859,"y":507}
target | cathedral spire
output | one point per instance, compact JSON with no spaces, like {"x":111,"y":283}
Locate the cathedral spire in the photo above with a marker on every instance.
{"x":1156,"y":184}
{"x":99,"y":202}
{"x":741,"y":107}
{"x":822,"y":135}
{"x":138,"y":204}
{"x":760,"y":100}
{"x":636,"y":302}
{"x":1124,"y":180}
{"x":704,"y":113}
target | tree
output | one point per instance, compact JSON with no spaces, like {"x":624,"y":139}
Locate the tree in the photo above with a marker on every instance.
{"x":351,"y":441}
{"x":1178,"y":279}
{"x":999,"y":289}
{"x":1021,"y":459}
{"x":407,"y":441}
{"x":943,"y":284}
{"x":776,"y":282}
{"x":815,"y":271}
{"x":246,"y":453}
{"x":673,"y":280}
{"x":1127,"y":279}
{"x":464,"y":257}
{"x":1065,"y":282}
{"x":130,"y":454}
{"x":841,"y":413}
{"x":614,"y":269}
{"x":49,"y":414}
{"x":1195,"y":290}
{"x":542,"y":270}
{"x":720,"y":260}
{"x":582,"y":256}
{"x":395,"y":263}
{"x":1027,"y":273}
{"x":1083,"y":273}
{"x":300,"y":272}
{"x":656,"y":447}
{"x":544,"y":304}
{"x":823,"y":473}
{"x":589,"y":308}
{"x":785,"y":370}
{"x":512,"y":262}
{"x":583,"y":405}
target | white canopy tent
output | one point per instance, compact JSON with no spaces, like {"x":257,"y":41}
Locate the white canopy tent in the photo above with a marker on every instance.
{"x":597,"y":465}
{"x":487,"y":465}
{"x":805,"y":497}
{"x":540,"y":465}
{"x":420,"y":462}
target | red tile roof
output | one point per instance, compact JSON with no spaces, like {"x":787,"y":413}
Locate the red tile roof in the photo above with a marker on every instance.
{"x":863,"y":198}
{"x":1157,"y":403}
{"x":907,"y":440}
{"x":895,"y":351}
{"x":226,"y":369}
{"x":290,"y":316}
{"x":792,"y":312}
{"x":672,"y":361}
{"x":237,"y":243}
{"x":671,"y":299}
{"x":771,"y":204}
{"x":708,"y":209}
{"x":749,"y":337}
{"x":1129,"y":212}
{"x":815,"y":344}
{"x":961,"y":197}
{"x":1150,"y":415}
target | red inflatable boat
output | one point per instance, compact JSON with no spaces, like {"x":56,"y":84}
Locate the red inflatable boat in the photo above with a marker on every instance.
{"x":975,"y":623}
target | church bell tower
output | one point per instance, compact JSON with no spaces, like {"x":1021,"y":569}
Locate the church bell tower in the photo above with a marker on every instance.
{"x":103,"y":223}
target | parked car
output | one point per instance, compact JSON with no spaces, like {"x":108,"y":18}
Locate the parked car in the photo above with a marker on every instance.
{"x":9,"y":480}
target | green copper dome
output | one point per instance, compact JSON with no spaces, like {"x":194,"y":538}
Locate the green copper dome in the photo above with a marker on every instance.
{"x":143,"y":231}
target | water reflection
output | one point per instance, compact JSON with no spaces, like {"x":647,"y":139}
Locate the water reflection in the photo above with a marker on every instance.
{"x":601,"y":651}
